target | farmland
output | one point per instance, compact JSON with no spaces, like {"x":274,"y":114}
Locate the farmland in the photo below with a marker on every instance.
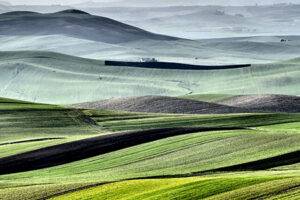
{"x":92,"y":108}
{"x":223,"y":154}
{"x":36,"y":76}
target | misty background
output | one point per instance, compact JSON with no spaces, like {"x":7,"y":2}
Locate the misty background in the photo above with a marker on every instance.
{"x":146,"y":3}
{"x":191,"y":19}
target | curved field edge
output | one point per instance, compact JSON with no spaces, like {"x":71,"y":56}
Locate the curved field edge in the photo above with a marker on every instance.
{"x":271,"y":135}
{"x":81,"y":149}
{"x":25,"y":122}
{"x":176,"y":156}
{"x":183,"y":188}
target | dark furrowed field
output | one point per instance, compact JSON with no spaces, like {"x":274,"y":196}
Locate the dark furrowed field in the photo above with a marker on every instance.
{"x":200,"y":104}
{"x":160,"y":104}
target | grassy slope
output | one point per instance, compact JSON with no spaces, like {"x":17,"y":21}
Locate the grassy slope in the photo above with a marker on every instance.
{"x":26,"y":126}
{"x":187,"y":188}
{"x":207,"y":97}
{"x":270,"y":135}
{"x":73,"y":23}
{"x":39,"y":74}
{"x":209,"y":52}
{"x":286,"y":189}
{"x":33,"y":192}
{"x":194,"y":188}
{"x":119,"y":121}
{"x":176,"y":155}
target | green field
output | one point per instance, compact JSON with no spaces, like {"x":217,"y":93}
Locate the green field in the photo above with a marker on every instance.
{"x":255,"y":158}
{"x":208,"y":97}
{"x":26,"y":126}
{"x":60,"y":79}
{"x":74,"y":127}
{"x":193,"y":188}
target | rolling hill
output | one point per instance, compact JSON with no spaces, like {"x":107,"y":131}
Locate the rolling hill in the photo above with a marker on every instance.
{"x":200,"y":104}
{"x":160,"y":104}
{"x":257,"y":103}
{"x":265,"y":103}
{"x":81,"y":128}
{"x":228,"y":156}
{"x":36,"y":76}
{"x":74,"y":23}
{"x":77,"y":33}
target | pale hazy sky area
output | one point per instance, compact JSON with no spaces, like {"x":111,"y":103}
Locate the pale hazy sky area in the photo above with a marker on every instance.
{"x":155,"y":2}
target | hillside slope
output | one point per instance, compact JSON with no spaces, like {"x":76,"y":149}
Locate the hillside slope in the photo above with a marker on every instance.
{"x":73,"y":23}
{"x":36,"y":76}
{"x":78,"y":33}
{"x":159,"y":104}
{"x":264,"y":103}
{"x":142,"y":164}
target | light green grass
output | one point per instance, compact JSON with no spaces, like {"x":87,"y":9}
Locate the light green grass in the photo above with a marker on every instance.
{"x":286,"y":189}
{"x":60,"y":79}
{"x":207,"y":97}
{"x":177,"y":155}
{"x":119,"y":121}
{"x":36,"y":192}
{"x":286,"y":127}
{"x":184,"y":188}
{"x":269,"y":135}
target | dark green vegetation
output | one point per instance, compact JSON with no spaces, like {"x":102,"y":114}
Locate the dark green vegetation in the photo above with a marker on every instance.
{"x":168,"y":156}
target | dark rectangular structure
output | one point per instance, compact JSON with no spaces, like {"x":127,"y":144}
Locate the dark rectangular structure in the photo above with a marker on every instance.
{"x":169,"y":65}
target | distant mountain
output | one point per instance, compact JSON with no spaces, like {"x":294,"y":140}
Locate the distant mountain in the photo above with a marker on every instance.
{"x":74,"y":23}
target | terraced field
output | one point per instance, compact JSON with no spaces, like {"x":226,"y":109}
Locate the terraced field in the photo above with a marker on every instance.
{"x":126,"y":155}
